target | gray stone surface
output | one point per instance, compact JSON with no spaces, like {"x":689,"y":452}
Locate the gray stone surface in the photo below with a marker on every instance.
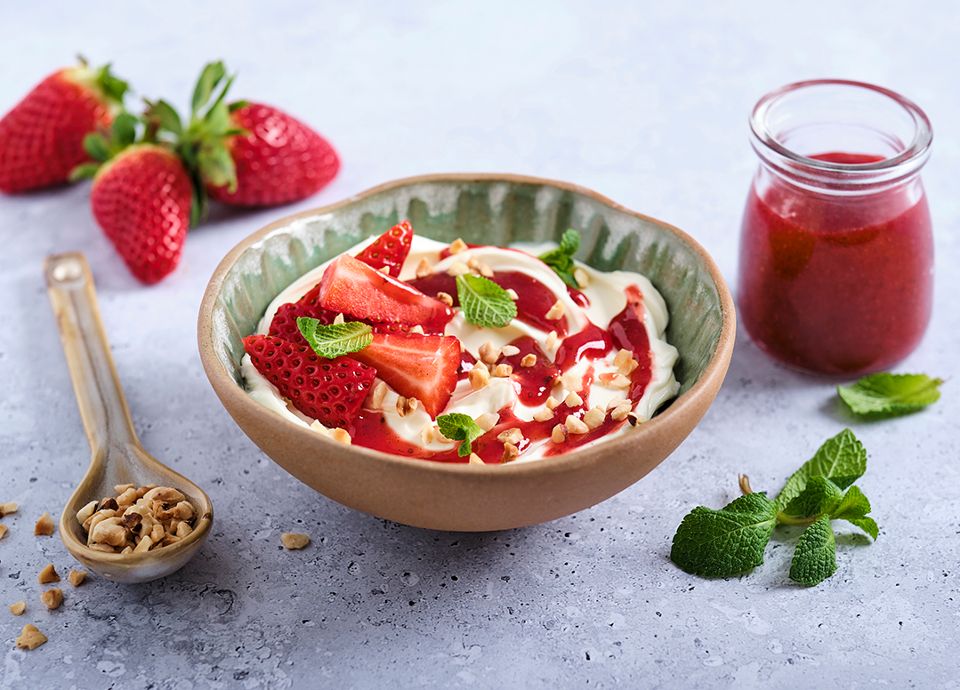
{"x":645,"y":104}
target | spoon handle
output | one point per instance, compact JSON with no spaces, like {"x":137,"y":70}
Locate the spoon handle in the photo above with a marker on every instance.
{"x":103,"y":408}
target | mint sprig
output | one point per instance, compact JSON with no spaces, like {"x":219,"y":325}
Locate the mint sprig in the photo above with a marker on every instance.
{"x":335,"y":340}
{"x":561,"y":258}
{"x":890,"y":395}
{"x":483,"y":302}
{"x":732,"y":540}
{"x":460,"y":427}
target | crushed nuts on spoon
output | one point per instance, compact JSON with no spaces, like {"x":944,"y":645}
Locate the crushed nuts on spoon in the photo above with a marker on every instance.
{"x":137,"y":519}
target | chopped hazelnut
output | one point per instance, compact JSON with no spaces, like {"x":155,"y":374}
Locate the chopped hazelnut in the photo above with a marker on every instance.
{"x":3,"y":531}
{"x":572,"y":381}
{"x":77,"y":577}
{"x":429,"y":433}
{"x":489,"y":353}
{"x":633,"y":419}
{"x":457,"y":246}
{"x":384,"y":269}
{"x":510,"y":452}
{"x":620,"y":413}
{"x":18,"y":607}
{"x":44,"y":526}
{"x":475,"y":459}
{"x":512,"y":294}
{"x":457,"y":268}
{"x":127,"y":498}
{"x":622,"y":357}
{"x":581,"y":276}
{"x":558,"y":434}
{"x":594,"y":417}
{"x":502,"y":371}
{"x":86,"y":512}
{"x":617,"y":402}
{"x":573,"y":399}
{"x":52,"y":598}
{"x":294,"y":540}
{"x":513,"y":435}
{"x":339,"y":318}
{"x":144,"y":544}
{"x":48,"y":574}
{"x":620,"y":381}
{"x":528,"y":360}
{"x":341,"y":436}
{"x":183,"y":529}
{"x":120,"y":488}
{"x":163,"y":493}
{"x":576,"y":426}
{"x":551,"y":342}
{"x":418,"y":329}
{"x":478,"y":376}
{"x":543,"y":414}
{"x":424,"y":268}
{"x":30,"y":637}
{"x":377,"y":395}
{"x":8,"y":508}
{"x":406,"y":405}
{"x":552,"y":403}
{"x":487,"y":420}
{"x":445,"y":298}
{"x":110,"y":531}
{"x":510,"y":350}
{"x":485,"y":270}
{"x":555,"y":312}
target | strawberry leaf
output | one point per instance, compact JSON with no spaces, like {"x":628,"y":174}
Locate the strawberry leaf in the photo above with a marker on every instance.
{"x":212,"y":74}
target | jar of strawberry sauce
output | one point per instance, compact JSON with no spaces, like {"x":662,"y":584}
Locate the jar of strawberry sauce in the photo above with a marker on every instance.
{"x":836,"y":249}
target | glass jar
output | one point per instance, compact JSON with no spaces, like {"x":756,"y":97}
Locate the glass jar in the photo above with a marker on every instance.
{"x":836,"y":248}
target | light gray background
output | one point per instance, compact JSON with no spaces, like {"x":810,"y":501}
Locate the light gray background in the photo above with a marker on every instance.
{"x":644,"y":102}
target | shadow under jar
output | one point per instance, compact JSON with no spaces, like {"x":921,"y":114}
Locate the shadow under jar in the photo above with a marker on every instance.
{"x":836,"y":248}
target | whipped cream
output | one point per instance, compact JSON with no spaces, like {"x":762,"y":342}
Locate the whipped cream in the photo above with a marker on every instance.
{"x":606,"y":294}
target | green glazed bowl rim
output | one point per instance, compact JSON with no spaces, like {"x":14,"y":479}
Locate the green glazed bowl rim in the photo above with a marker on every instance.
{"x":232,"y":395}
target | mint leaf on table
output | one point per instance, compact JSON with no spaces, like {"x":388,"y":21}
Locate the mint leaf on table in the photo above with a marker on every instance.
{"x":335,"y":340}
{"x":561,"y":258}
{"x":819,"y":496}
{"x":460,"y":427}
{"x":815,"y":558}
{"x":889,"y":395}
{"x":730,"y":541}
{"x":854,"y":508}
{"x":484,"y":303}
{"x":841,"y":459}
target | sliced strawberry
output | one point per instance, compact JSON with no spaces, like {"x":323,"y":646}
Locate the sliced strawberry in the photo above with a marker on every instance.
{"x":424,"y":367}
{"x":330,"y":390}
{"x":355,"y":289}
{"x":284,"y":323}
{"x":390,"y":249}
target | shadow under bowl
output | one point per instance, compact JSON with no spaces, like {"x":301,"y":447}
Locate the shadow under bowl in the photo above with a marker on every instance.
{"x":496,"y":209}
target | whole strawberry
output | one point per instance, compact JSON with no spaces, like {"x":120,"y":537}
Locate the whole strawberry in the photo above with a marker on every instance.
{"x":142,"y":198}
{"x":245,"y":154}
{"x":41,"y":139}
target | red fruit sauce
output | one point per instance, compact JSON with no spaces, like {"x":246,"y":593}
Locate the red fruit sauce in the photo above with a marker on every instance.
{"x":533,"y":384}
{"x":835,"y":283}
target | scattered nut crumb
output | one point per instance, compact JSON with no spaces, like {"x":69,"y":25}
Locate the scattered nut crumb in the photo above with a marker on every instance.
{"x":573,"y":399}
{"x":339,"y":435}
{"x":510,"y":350}
{"x":555,"y":312}
{"x":424,"y":268}
{"x":44,"y":526}
{"x":457,"y":246}
{"x":293,"y":541}
{"x":487,"y":420}
{"x":52,"y":598}
{"x":48,"y":574}
{"x":78,"y":577}
{"x":377,"y":395}
{"x":18,"y":607}
{"x":552,"y":403}
{"x":30,"y":637}
{"x":8,"y":508}
{"x":3,"y":531}
{"x":513,"y":435}
{"x":594,"y":417}
{"x":620,"y":381}
{"x":457,"y":268}
{"x":406,"y":406}
{"x":478,"y":376}
{"x":418,"y":329}
{"x":475,"y":459}
{"x":543,"y":414}
{"x":510,"y":452}
{"x":633,"y":419}
{"x":502,"y":371}
{"x":572,"y":381}
{"x":581,"y":276}
{"x":489,"y":353}
{"x":558,"y":434}
{"x":339,"y":318}
{"x":620,"y":413}
{"x":551,"y":342}
{"x":528,"y":360}
{"x":445,"y":298}
{"x":484,"y":269}
{"x":512,"y":294}
{"x":576,"y":426}
{"x":617,"y":402}
{"x":384,"y":269}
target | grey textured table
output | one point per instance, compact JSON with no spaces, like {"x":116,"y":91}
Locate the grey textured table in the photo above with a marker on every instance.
{"x":645,"y":104}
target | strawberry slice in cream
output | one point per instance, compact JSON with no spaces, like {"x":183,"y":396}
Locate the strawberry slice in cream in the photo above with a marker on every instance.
{"x":573,"y":367}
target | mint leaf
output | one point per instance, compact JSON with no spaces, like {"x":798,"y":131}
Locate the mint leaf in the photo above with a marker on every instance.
{"x":819,"y":496}
{"x":720,"y":543}
{"x":841,"y":459}
{"x":854,"y":508}
{"x":889,"y":395}
{"x":815,"y":558}
{"x":460,"y":427}
{"x":335,"y":340}
{"x":561,"y":258}
{"x":484,"y":303}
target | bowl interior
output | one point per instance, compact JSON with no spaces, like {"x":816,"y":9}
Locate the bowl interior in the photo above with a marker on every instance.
{"x":484,"y":210}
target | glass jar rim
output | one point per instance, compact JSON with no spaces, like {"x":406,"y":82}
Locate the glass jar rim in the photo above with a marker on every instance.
{"x":915,"y":152}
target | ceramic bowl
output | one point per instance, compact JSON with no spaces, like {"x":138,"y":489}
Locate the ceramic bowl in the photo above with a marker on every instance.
{"x":486,"y":209}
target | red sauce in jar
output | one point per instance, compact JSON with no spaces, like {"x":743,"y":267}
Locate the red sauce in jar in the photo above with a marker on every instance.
{"x":836,"y":284}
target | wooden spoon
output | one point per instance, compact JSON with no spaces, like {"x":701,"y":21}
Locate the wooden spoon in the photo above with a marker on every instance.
{"x":117,"y":455}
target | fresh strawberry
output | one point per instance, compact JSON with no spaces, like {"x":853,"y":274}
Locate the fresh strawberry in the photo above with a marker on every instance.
{"x":142,"y":198}
{"x":246,"y":154}
{"x":355,"y":289}
{"x":390,"y":249}
{"x":284,"y":323}
{"x":330,"y":390}
{"x":424,"y":367}
{"x":41,"y":139}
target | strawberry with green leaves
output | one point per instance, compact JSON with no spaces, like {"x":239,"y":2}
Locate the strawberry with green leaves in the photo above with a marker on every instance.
{"x":41,"y":139}
{"x":244,"y":153}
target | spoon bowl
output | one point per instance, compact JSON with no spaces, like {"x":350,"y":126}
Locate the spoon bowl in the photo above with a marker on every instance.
{"x":117,"y":455}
